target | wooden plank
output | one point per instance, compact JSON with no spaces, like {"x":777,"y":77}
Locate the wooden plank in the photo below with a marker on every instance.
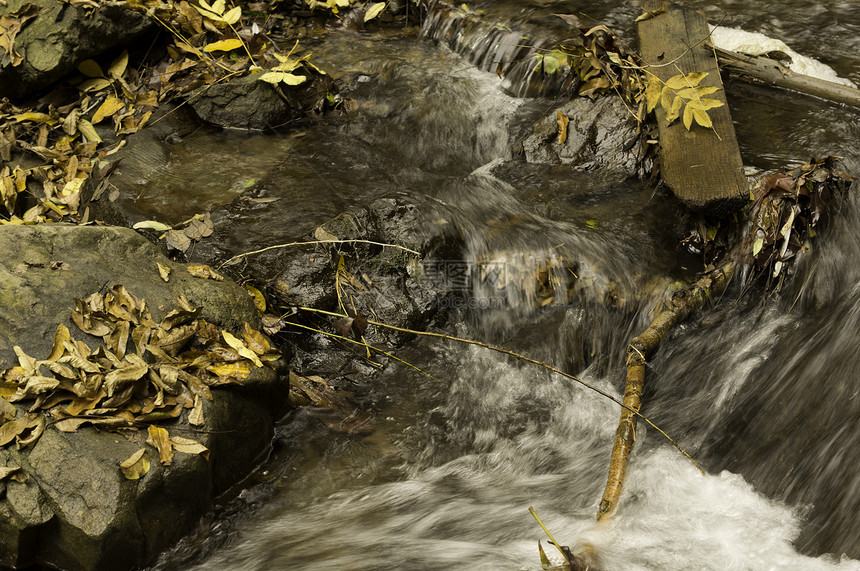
{"x":703,"y":167}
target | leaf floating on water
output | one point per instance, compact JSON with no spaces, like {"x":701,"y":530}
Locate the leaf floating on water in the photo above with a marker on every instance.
{"x":188,"y":446}
{"x":136,"y":466}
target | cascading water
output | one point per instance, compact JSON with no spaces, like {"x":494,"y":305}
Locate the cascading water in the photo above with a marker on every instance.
{"x":763,"y":391}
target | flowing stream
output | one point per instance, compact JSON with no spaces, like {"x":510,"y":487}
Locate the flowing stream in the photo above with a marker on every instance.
{"x":764,"y":392}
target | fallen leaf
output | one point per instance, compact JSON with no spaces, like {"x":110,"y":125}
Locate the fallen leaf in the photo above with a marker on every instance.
{"x":562,"y":121}
{"x":177,"y":240}
{"x":160,"y":439}
{"x":204,"y":271}
{"x":223,"y":45}
{"x":374,"y":11}
{"x":110,"y":106}
{"x":240,"y":348}
{"x":188,"y":446}
{"x":195,"y":417}
{"x":136,"y":466}
{"x":163,"y":271}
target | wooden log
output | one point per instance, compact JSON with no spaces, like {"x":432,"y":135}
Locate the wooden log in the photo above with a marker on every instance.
{"x":703,"y":167}
{"x":772,"y":72}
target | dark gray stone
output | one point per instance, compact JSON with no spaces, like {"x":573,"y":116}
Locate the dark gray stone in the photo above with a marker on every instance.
{"x":601,"y":135}
{"x":60,"y":37}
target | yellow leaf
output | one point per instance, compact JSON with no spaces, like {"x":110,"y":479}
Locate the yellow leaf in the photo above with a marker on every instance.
{"x":94,"y":84}
{"x":673,"y":112}
{"x":240,"y":348}
{"x":90,"y":68}
{"x":278,"y":77}
{"x":204,"y":271}
{"x":117,"y":66}
{"x":232,"y":16}
{"x":705,"y":104}
{"x":688,"y":117}
{"x":223,"y":45}
{"x":374,"y":11}
{"x":136,"y":466}
{"x":701,"y":118}
{"x":652,"y":94}
{"x":160,"y":439}
{"x":236,"y":370}
{"x":110,"y":106}
{"x":88,"y":131}
{"x":694,"y":93}
{"x":195,"y":417}
{"x":163,"y":271}
{"x":188,"y":446}
{"x":259,"y":299}
{"x":683,"y":81}
{"x":562,"y":121}
{"x":60,"y":337}
{"x":35,"y":117}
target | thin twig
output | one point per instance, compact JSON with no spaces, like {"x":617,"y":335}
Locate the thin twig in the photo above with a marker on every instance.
{"x":312,"y":242}
{"x":527,"y":360}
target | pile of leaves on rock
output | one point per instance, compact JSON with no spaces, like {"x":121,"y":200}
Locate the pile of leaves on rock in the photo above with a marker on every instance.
{"x":168,"y":368}
{"x":59,"y":141}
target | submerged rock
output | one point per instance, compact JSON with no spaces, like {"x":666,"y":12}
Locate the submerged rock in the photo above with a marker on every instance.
{"x":75,"y":509}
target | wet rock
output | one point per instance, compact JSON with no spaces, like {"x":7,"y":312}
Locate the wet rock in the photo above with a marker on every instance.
{"x":601,"y":135}
{"x":76,"y":510}
{"x":248,"y":103}
{"x":245,"y":103}
{"x":53,"y":43}
{"x":387,"y":282}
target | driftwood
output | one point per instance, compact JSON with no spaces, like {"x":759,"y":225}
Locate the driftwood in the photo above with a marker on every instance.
{"x":771,"y":72}
{"x":641,"y":348}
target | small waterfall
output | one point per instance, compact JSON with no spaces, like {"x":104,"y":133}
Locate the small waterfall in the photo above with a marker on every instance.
{"x":494,"y":48}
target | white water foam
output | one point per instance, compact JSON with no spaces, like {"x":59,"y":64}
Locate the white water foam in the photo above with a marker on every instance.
{"x":755,"y":44}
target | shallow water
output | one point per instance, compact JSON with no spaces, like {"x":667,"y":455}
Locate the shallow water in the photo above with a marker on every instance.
{"x":764,"y":392}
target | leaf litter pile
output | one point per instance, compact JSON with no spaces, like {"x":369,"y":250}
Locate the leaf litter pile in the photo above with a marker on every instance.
{"x":143,"y":373}
{"x":64,"y":139}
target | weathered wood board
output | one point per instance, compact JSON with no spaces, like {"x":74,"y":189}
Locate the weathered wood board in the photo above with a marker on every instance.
{"x":703,"y":167}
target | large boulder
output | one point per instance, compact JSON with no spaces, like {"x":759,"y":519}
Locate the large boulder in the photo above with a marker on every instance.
{"x":75,"y":509}
{"x":60,"y":36}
